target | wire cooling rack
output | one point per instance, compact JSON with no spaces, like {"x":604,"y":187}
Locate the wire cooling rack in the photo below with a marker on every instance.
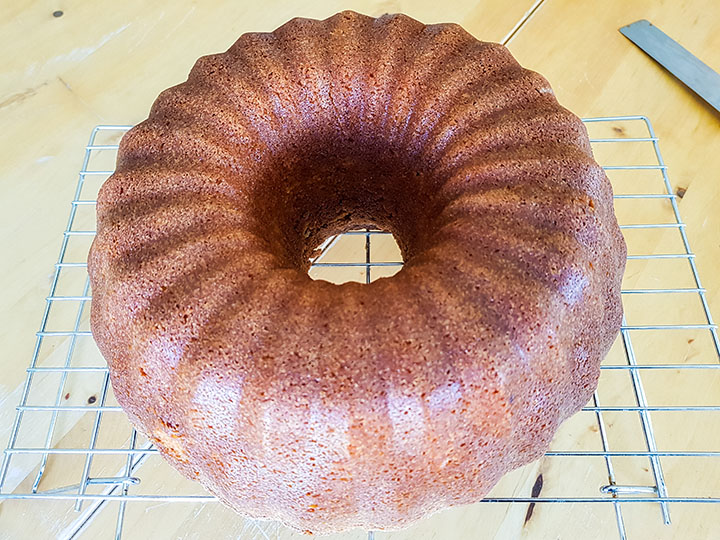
{"x":645,"y":441}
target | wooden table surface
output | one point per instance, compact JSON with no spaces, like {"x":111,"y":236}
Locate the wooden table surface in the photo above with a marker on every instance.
{"x":104,"y":62}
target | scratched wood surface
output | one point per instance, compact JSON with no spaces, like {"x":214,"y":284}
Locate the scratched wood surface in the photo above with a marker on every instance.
{"x":105,"y":62}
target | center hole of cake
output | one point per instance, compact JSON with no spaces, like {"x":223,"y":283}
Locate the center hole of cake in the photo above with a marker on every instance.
{"x":361,"y":256}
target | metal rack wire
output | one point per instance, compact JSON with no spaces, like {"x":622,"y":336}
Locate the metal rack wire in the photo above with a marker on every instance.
{"x":69,"y":340}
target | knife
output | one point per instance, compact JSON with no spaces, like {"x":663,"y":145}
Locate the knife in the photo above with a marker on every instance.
{"x":695,"y":74}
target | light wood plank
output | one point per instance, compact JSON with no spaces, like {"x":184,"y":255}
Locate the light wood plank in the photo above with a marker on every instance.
{"x":104,"y":63}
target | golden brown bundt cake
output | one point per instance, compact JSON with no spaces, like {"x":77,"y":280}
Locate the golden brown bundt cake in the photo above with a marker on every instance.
{"x":328,"y":406}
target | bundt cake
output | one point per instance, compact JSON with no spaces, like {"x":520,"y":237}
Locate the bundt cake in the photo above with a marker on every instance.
{"x":330,"y":407}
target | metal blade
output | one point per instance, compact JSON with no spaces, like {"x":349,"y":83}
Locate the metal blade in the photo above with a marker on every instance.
{"x":698,"y":76}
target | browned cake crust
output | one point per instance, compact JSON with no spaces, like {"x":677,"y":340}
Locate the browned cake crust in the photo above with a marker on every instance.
{"x":331,"y":407}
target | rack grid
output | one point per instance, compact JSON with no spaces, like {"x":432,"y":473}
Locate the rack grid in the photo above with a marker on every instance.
{"x":36,"y":444}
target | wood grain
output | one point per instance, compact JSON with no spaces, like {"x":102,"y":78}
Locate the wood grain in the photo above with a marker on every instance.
{"x":105,"y":62}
